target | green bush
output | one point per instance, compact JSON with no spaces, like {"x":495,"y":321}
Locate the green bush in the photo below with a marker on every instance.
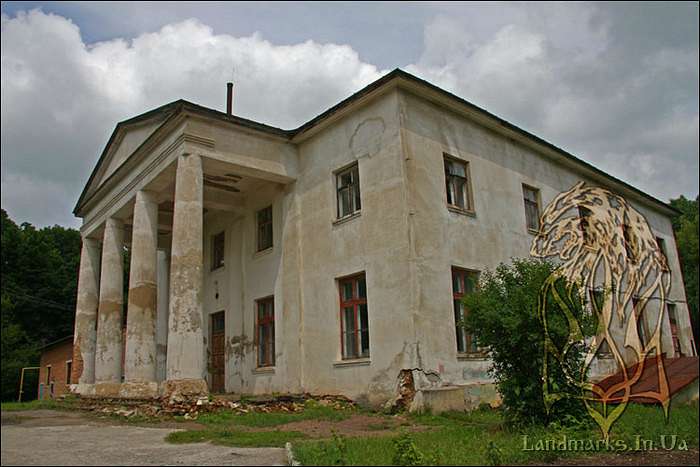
{"x":503,"y":315}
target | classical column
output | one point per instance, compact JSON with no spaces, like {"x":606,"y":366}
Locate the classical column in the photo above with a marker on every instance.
{"x":163,"y":269}
{"x":108,"y":354}
{"x":86,"y":317}
{"x":185,"y":365}
{"x":140,"y":356}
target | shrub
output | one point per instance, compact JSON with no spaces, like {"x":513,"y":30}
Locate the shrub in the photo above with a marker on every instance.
{"x":503,"y":315}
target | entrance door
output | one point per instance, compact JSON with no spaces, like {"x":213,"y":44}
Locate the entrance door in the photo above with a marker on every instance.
{"x":217,"y":359}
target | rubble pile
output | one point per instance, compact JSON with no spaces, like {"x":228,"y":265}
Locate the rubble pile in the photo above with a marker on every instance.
{"x":191,"y":409}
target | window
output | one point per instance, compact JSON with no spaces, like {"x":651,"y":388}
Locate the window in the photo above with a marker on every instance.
{"x":348,"y":191}
{"x":531,"y":198}
{"x":597,"y":298}
{"x":217,"y":250}
{"x":69,"y":370}
{"x":48,"y":374}
{"x":463,"y":283}
{"x":264,"y":228}
{"x":673,"y":320}
{"x":265,"y":331}
{"x":585,"y":216}
{"x":662,"y":247}
{"x":642,"y":330}
{"x":629,"y":241}
{"x":457,"y":184}
{"x":218,"y":322}
{"x":353,"y":317}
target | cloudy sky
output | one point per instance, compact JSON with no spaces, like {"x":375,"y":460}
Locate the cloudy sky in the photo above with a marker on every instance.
{"x":615,"y":84}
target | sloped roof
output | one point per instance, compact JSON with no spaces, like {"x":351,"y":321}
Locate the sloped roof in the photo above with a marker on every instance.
{"x":180,"y":105}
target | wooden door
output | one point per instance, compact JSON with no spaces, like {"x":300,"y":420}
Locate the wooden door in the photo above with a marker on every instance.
{"x":217,"y":361}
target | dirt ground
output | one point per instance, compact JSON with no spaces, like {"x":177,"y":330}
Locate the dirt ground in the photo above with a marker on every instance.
{"x":47,"y":437}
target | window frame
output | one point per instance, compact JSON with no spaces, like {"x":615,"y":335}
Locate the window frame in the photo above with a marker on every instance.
{"x":259,"y":225}
{"x":355,"y":302}
{"x":217,"y":262}
{"x":537,"y":202}
{"x":354,"y":188}
{"x":471,"y":347}
{"x":69,"y":370}
{"x":267,"y":320}
{"x":584,"y":215}
{"x":467,"y":194}
{"x":661,"y":244}
{"x":628,"y":243}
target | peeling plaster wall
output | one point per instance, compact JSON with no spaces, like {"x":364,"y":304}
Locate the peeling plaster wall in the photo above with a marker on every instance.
{"x":249,"y":275}
{"x":496,"y":233}
{"x":375,"y":242}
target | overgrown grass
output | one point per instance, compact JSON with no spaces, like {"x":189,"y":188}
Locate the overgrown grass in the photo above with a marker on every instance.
{"x":235,"y":437}
{"x":51,"y":404}
{"x":312,"y":411}
{"x":224,"y":427}
{"x":479,"y":438}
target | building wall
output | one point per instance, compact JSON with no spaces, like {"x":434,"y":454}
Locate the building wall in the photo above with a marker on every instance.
{"x":405,"y":240}
{"x":57,"y":357}
{"x":496,"y":233}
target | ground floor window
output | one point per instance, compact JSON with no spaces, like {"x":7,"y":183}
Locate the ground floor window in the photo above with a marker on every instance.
{"x":265,"y":331}
{"x":463,"y":283}
{"x":354,"y":317}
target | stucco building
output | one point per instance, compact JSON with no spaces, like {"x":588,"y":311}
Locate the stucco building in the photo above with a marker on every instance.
{"x":327,"y":259}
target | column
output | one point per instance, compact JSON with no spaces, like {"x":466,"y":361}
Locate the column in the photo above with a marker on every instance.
{"x":86,"y":317}
{"x":162,"y":314}
{"x":185,"y":356}
{"x":108,"y":353}
{"x":140,"y":356}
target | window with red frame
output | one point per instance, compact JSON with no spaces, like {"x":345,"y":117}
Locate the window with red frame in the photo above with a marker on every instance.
{"x":463,"y":283}
{"x":265,"y":331}
{"x":353,"y":317}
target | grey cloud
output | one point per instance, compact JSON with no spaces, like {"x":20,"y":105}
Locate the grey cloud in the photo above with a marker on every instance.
{"x":615,"y":84}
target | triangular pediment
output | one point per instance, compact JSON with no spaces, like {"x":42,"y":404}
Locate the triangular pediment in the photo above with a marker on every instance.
{"x":126,"y":138}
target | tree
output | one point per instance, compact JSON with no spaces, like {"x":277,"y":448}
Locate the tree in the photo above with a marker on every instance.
{"x":685,"y":226}
{"x":38,"y":286}
{"x":503,"y":315}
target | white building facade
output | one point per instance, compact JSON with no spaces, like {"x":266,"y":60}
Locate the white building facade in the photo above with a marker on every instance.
{"x":326,"y":259}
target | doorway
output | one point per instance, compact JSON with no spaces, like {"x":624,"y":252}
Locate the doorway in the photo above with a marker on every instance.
{"x":217,"y":359}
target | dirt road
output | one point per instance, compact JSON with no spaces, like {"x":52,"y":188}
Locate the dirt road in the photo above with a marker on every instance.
{"x":46,"y":437}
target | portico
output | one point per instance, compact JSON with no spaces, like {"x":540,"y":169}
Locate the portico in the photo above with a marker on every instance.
{"x":151,"y":339}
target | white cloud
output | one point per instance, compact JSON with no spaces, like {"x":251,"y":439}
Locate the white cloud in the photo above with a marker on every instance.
{"x":562,"y":73}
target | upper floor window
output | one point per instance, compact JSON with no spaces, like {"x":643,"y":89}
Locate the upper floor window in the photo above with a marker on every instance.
{"x":348,"y":190}
{"x":217,"y":250}
{"x":531,"y":197}
{"x":629,"y":241}
{"x":585,"y":216}
{"x":264,"y":220}
{"x":662,"y":247}
{"x":354,"y":317}
{"x":457,"y":184}
{"x":463,"y":283}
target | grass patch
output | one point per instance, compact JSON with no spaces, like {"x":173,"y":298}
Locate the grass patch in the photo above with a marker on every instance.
{"x":235,"y":437}
{"x":312,"y":411}
{"x":47,"y":404}
{"x":479,"y":438}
